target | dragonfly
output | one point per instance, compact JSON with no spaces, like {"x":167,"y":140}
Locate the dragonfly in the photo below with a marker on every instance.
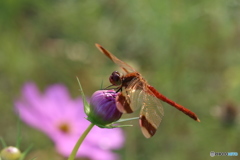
{"x":135,"y":92}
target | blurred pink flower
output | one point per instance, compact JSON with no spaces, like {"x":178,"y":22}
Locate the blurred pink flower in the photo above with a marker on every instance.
{"x":62,"y":119}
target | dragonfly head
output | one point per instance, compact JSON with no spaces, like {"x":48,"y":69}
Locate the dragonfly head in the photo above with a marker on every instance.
{"x":115,"y":78}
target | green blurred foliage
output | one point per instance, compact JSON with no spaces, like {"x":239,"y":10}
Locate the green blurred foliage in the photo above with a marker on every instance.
{"x":188,"y":50}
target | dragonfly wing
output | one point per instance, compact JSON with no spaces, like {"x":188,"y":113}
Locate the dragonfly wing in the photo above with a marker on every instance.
{"x":131,"y":97}
{"x":151,"y":113}
{"x":127,"y":68}
{"x":137,"y":95}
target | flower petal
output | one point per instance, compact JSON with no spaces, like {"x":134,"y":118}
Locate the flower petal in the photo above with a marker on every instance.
{"x":106,"y":138}
{"x":86,"y":150}
{"x":55,"y":108}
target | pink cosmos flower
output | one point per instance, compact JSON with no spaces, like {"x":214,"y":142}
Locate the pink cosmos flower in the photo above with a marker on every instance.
{"x":61,"y":118}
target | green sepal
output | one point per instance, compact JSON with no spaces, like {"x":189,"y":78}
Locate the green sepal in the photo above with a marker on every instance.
{"x":114,"y":124}
{"x":87,"y":109}
{"x":126,"y":119}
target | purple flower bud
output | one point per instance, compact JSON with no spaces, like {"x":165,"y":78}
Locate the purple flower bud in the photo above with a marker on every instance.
{"x":10,"y":153}
{"x":103,"y":108}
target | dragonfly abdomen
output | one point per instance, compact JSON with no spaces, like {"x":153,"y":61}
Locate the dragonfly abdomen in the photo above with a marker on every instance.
{"x":174,"y":104}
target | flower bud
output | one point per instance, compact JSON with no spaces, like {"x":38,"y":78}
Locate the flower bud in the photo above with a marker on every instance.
{"x":10,"y":153}
{"x":103,"y":108}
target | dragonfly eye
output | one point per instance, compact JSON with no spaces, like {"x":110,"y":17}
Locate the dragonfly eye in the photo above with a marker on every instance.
{"x":115,"y":78}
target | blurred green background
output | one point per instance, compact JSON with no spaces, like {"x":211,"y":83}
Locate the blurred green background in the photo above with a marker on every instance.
{"x":188,"y":50}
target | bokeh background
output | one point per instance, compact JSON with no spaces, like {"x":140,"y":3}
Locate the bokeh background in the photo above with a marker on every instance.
{"x":188,"y":50}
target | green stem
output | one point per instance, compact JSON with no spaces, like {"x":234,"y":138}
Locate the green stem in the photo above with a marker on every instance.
{"x":79,"y":142}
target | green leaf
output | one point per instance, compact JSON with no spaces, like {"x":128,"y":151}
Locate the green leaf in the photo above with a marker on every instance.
{"x":25,"y":153}
{"x":3,"y":142}
{"x":18,"y":133}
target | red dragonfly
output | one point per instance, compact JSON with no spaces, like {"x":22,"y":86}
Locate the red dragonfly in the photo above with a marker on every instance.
{"x":136,"y":93}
